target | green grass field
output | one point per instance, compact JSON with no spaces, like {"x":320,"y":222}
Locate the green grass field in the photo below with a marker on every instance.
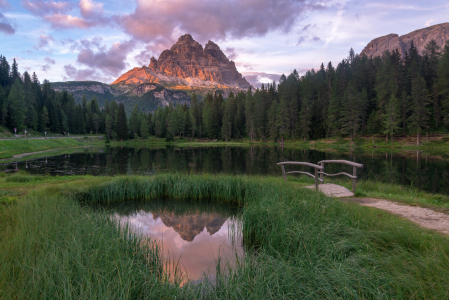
{"x":300,"y":244}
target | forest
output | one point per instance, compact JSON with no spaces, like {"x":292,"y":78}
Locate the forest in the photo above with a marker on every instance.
{"x":386,"y":95}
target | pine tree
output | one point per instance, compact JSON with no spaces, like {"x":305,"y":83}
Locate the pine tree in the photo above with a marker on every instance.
{"x":392,"y":118}
{"x":108,"y":125}
{"x":419,"y":113}
{"x":351,"y":116}
{"x":122,"y":127}
{"x":442,"y":85}
{"x":144,"y":129}
{"x":16,"y":101}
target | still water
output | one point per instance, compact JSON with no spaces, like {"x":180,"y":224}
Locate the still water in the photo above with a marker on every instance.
{"x":192,"y":236}
{"x":415,"y":169}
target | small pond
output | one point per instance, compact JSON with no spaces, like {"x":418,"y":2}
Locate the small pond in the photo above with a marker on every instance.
{"x":193,"y":234}
{"x":413,"y":168}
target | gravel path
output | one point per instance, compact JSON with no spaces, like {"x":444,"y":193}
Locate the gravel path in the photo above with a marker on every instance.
{"x":424,"y":217}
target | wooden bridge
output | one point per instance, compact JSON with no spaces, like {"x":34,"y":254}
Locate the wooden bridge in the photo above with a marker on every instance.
{"x":329,"y":189}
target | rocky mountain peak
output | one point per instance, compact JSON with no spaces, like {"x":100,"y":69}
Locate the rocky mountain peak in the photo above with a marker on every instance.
{"x":186,"y":63}
{"x":420,"y":38}
{"x":211,"y":45}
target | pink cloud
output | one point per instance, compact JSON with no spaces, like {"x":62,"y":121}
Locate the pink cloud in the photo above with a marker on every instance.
{"x":90,"y":9}
{"x":4,"y":4}
{"x":40,"y":7}
{"x":68,"y":21}
{"x":206,"y":19}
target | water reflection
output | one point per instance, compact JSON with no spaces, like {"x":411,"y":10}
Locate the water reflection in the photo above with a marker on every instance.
{"x":191,"y":234}
{"x":413,"y":168}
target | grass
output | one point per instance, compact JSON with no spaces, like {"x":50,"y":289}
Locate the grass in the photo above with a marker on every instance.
{"x":8,"y":148}
{"x":300,"y":244}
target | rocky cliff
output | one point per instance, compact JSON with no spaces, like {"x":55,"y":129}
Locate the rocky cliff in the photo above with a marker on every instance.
{"x":420,"y":38}
{"x":186,"y":63}
{"x":188,"y":226}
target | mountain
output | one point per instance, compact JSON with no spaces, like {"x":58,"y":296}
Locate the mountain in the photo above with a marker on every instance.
{"x":420,"y":37}
{"x":188,"y":226}
{"x":147,"y":96}
{"x":184,"y":69}
{"x":187,"y":66}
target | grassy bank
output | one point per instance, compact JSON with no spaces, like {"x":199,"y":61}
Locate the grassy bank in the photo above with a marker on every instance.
{"x":8,"y":148}
{"x":300,"y":244}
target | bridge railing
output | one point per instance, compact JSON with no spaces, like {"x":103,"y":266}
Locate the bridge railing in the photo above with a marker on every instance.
{"x":346,"y":162}
{"x":316,"y":167}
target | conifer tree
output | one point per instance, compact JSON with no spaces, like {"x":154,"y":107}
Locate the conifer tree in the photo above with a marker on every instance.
{"x":442,"y":85}
{"x":144,"y":129}
{"x":351,"y":116}
{"x":392,"y":118}
{"x":16,"y":106}
{"x":419,"y":113}
{"x":122,"y":127}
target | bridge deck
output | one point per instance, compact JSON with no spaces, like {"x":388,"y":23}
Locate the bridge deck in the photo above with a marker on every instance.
{"x":332,"y":190}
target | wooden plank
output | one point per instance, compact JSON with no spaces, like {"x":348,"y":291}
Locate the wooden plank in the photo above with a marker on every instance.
{"x":332,"y":190}
{"x":305,"y":173}
{"x":283,"y":174}
{"x":354,"y":170}
{"x":347,"y":162}
{"x":301,"y":164}
{"x":341,"y":173}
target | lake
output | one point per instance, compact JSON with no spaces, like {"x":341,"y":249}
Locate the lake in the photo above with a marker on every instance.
{"x":420,"y":170}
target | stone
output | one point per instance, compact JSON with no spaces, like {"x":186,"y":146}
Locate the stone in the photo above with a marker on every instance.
{"x":420,"y":38}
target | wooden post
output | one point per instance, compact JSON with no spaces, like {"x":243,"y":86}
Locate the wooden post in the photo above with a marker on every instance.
{"x":283,"y":173}
{"x":322,"y":170}
{"x":354,"y":172}
{"x":316,"y":179}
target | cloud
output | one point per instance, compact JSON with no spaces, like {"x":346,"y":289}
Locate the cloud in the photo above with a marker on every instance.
{"x":316,"y":39}
{"x":212,"y":19}
{"x":56,"y":13}
{"x":110,"y":62}
{"x":230,"y":53}
{"x":257,"y":78}
{"x":67,"y":21}
{"x":4,"y":4}
{"x":301,"y":39}
{"x":48,"y":60}
{"x":429,"y":22}
{"x":5,"y":25}
{"x":44,"y":41}
{"x":83,"y":74}
{"x":90,"y":9}
{"x":40,"y":8}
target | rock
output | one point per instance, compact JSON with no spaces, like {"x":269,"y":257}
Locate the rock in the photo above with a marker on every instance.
{"x":186,"y":63}
{"x":420,"y":37}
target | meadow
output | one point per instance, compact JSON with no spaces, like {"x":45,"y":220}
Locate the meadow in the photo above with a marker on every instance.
{"x":56,"y":243}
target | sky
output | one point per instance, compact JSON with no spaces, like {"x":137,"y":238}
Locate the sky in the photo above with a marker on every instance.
{"x":100,"y":40}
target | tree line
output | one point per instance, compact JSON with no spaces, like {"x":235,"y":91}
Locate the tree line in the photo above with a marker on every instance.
{"x":387,"y":95}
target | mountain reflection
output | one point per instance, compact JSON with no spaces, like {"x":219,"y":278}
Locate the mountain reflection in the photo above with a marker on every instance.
{"x":188,"y":226}
{"x":192,"y":234}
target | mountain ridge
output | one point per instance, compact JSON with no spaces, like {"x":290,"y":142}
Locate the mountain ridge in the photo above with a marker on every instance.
{"x":420,"y":37}
{"x":186,"y":63}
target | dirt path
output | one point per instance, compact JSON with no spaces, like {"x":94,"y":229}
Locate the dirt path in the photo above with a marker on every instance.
{"x":424,"y":217}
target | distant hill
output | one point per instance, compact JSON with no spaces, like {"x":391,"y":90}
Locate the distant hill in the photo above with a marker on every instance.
{"x":420,"y":38}
{"x":147,"y":96}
